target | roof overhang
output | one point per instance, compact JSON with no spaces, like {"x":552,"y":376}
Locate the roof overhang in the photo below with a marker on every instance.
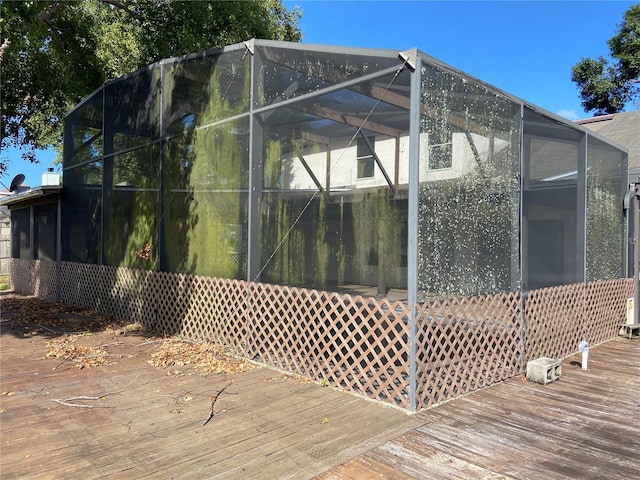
{"x":46,"y":193}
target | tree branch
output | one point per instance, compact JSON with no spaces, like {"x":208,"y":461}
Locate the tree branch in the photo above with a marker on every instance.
{"x":47,"y":13}
{"x":66,"y":402}
{"x":69,"y":402}
{"x":124,"y":6}
{"x":213,"y":402}
{"x":4,"y":47}
{"x":45,"y":16}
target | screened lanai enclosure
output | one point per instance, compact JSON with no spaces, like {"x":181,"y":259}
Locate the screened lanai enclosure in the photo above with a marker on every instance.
{"x":334,"y":168}
{"x":374,"y":218}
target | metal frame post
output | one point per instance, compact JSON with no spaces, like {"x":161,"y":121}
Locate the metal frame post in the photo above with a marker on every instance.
{"x":59,"y":249}
{"x":636,"y":254}
{"x":160,"y":239}
{"x":255,"y":177}
{"x":412,"y":241}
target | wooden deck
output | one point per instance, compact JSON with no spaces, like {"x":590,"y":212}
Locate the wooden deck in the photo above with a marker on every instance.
{"x":148,"y":422}
{"x":267,"y":425}
{"x":583,"y":426}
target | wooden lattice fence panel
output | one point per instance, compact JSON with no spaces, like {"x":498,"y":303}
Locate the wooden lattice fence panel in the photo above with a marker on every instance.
{"x":44,"y":280}
{"x":466,"y":343}
{"x":175,"y":293}
{"x":22,"y":276}
{"x":359,"y":344}
{"x":118,"y":292}
{"x":34,"y":277}
{"x":559,"y":318}
{"x":201,"y":308}
{"x":606,"y":309}
{"x":85,"y":285}
{"x":131,"y":294}
{"x":553,"y":317}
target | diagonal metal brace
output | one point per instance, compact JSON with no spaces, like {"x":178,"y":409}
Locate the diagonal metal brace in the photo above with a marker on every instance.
{"x":378,"y":162}
{"x":314,"y":178}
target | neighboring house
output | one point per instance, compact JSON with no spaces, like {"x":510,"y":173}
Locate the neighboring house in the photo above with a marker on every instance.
{"x":5,"y":227}
{"x":623,"y":129}
{"x":34,"y":225}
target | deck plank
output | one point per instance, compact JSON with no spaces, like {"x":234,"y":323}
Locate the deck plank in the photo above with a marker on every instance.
{"x":581,"y":426}
{"x":266,"y":422}
{"x":365,"y":468}
{"x":272,"y":425}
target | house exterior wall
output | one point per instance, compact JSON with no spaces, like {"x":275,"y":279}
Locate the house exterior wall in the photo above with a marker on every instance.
{"x":34,"y":231}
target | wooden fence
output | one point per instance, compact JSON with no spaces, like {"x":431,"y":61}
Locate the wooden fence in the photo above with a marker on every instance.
{"x":360,"y":344}
{"x":5,"y":241}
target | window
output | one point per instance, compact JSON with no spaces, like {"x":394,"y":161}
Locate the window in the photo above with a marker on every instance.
{"x":365,"y":158}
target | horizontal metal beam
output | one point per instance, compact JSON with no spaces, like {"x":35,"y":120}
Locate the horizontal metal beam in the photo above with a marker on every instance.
{"x":332,"y":88}
{"x":353,"y":121}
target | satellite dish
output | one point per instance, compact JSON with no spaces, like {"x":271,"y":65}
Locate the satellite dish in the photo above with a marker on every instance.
{"x":16,"y":182}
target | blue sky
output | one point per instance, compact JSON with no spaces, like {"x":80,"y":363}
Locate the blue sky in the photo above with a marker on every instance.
{"x":526,"y":48}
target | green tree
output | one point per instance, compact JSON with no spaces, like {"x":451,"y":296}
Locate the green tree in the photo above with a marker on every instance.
{"x":54,"y":53}
{"x":607,"y":85}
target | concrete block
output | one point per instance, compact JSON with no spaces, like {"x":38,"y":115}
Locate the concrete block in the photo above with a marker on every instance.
{"x":544,"y":370}
{"x":630,"y":330}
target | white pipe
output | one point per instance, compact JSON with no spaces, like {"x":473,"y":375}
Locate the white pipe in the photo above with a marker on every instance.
{"x":584,"y":348}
